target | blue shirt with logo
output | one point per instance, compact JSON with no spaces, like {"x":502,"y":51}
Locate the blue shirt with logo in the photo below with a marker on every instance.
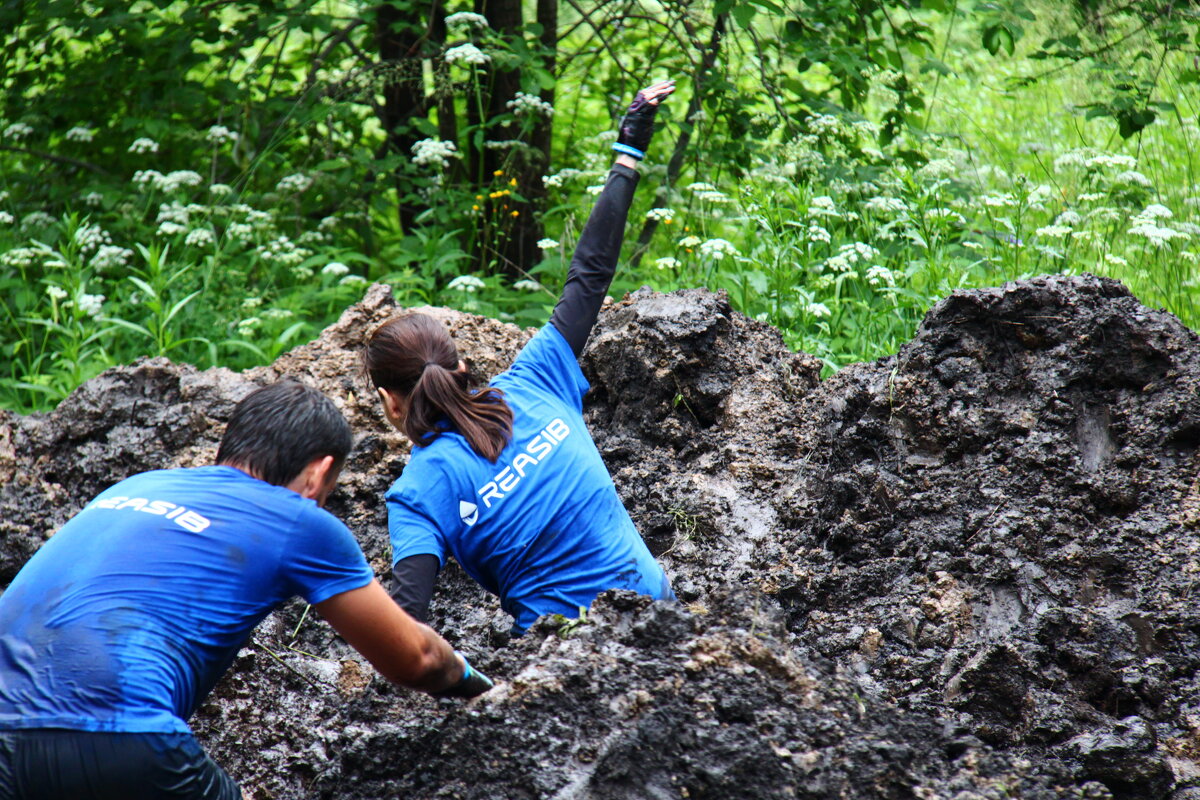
{"x":127,"y":616}
{"x":543,"y":527}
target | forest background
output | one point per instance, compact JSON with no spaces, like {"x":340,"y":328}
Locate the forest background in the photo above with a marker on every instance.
{"x":215,"y":182}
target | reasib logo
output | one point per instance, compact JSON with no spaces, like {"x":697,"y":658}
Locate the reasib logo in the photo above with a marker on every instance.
{"x":469,"y":512}
{"x":535,"y":451}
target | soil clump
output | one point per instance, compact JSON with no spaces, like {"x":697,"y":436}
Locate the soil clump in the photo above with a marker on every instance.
{"x":964,"y":571}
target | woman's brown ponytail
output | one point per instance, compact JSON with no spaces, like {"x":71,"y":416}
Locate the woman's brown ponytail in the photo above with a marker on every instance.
{"x":415,"y":356}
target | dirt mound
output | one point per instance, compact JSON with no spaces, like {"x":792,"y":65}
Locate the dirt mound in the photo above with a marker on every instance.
{"x":964,"y":571}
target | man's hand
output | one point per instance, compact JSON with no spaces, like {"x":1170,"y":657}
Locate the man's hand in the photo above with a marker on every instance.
{"x":637,"y":126}
{"x":472,"y":684}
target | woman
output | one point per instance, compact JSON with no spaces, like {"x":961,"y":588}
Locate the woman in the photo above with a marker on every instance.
{"x":508,"y":480}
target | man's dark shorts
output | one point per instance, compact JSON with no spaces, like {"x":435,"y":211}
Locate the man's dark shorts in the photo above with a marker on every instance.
{"x":45,"y":764}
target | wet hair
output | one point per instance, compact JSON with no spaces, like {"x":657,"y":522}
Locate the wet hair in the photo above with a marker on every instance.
{"x":415,"y":356}
{"x":278,"y":430}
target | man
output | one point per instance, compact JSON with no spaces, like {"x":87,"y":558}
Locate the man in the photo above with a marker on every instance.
{"x":119,"y":626}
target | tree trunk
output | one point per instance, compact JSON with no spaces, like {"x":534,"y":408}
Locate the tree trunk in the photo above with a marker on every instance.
{"x":402,"y":34}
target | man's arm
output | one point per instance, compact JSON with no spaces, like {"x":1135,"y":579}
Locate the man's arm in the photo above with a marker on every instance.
{"x":402,"y":649}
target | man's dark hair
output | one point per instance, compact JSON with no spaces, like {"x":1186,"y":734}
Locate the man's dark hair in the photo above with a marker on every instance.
{"x":276,"y":431}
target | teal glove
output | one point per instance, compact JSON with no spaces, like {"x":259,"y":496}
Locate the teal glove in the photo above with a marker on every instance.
{"x":472,"y":683}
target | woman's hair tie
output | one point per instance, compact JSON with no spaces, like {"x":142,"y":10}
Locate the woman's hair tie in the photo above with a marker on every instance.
{"x":431,"y":364}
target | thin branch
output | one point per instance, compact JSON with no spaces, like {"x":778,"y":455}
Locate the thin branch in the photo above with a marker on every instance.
{"x":60,"y":159}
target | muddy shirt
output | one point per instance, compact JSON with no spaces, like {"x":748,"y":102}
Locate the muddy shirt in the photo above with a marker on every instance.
{"x":543,"y":527}
{"x":126,"y":617}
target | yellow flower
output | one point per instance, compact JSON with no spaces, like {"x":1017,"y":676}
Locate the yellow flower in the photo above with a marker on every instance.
{"x":478,"y":197}
{"x":516,"y":213}
{"x":474,"y":208}
{"x":512,"y":182}
{"x":498,"y":173}
{"x":667,"y":221}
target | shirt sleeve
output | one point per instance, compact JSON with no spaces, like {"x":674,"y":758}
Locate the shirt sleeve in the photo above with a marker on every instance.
{"x":595,"y":259}
{"x":324,"y":559}
{"x":411,"y":529}
{"x":548,"y":363}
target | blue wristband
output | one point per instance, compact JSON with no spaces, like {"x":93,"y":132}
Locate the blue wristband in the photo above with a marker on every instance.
{"x":628,"y":150}
{"x":466,"y":669}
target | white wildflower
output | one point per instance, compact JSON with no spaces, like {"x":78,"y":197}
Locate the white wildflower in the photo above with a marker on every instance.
{"x":526,"y":285}
{"x":465,"y":19}
{"x":689,"y":241}
{"x":1116,"y":260}
{"x":219,"y":134}
{"x":110,"y":256}
{"x":6,"y":218}
{"x":1133,"y":178}
{"x":90,"y":304}
{"x":1053,"y":231}
{"x":817,"y":310}
{"x":466,"y":283}
{"x":1110,"y":161}
{"x":434,"y":152}
{"x":284,"y":251}
{"x":37,"y":219}
{"x":56,"y":292}
{"x":247,"y":326}
{"x":169,"y":228}
{"x":525,"y":104}
{"x":1157,"y":211}
{"x":89,"y":237}
{"x":878,"y":274}
{"x":466,"y":54}
{"x":595,"y":190}
{"x":220,"y":190}
{"x":278,"y":313}
{"x":81,"y":134}
{"x":717,"y":249}
{"x":1070,"y":159}
{"x":200,"y":237}
{"x":17,"y":131}
{"x":818,"y":234}
{"x":886,"y":205}
{"x":712,"y":197}
{"x":335,"y":268}
{"x":296,"y":183}
{"x":660,"y":214}
{"x":251,"y":303}
{"x":1091,"y":197}
{"x":143,"y":145}
{"x":1032,"y":147}
{"x":700,"y":186}
{"x":1068,"y":217}
{"x":328,"y":223}
{"x":998,"y":200}
{"x":936,"y":169}
{"x":93,"y":199}
{"x":547,"y":244}
{"x":824,"y":123}
{"x":353,"y":280}
{"x":666,"y":263}
{"x":22,"y":257}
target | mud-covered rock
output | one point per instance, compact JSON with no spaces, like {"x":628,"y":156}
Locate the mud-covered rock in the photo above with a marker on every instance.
{"x":965,"y":571}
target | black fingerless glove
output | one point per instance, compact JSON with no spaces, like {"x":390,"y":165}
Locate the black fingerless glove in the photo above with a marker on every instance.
{"x":637,"y":126}
{"x":472,"y":684}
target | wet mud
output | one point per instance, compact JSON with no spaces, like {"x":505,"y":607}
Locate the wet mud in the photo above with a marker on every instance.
{"x":966,"y":571}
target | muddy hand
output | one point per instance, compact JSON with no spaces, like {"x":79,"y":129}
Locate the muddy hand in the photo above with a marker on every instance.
{"x":637,"y":126}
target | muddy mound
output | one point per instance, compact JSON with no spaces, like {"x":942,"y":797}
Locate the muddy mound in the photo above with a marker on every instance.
{"x":964,"y":571}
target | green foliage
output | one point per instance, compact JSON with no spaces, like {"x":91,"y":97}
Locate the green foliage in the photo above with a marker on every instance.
{"x":214,"y":184}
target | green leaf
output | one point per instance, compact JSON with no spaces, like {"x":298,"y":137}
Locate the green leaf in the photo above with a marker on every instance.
{"x":744,"y":14}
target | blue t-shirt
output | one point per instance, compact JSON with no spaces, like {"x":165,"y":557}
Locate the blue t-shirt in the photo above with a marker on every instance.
{"x":128,"y":615}
{"x":543,"y":527}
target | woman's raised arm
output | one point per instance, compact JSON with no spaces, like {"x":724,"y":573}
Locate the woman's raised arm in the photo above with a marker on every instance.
{"x":595,"y":258}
